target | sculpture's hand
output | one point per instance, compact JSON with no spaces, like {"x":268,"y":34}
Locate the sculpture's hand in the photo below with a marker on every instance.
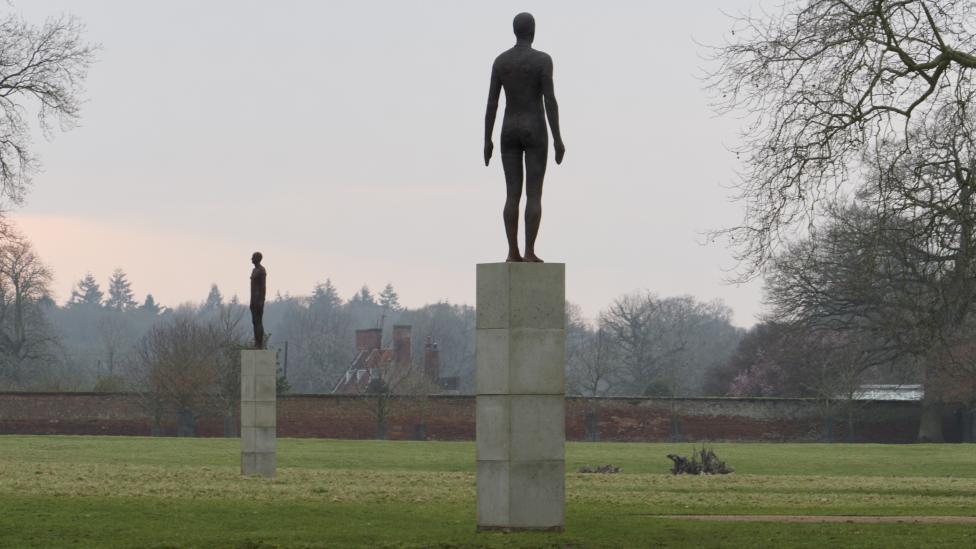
{"x":560,"y":151}
{"x":489,"y":146}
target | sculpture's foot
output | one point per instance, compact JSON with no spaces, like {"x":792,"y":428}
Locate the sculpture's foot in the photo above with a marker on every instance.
{"x":513,"y":257}
{"x":530,"y":257}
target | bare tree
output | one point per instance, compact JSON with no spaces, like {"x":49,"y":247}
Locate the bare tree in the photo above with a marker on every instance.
{"x":833,"y":367}
{"x":42,"y":68}
{"x":392,"y":386}
{"x":116,"y":340}
{"x":822,"y":81}
{"x":148,"y":395}
{"x":642,"y":338}
{"x":853,"y":274}
{"x":955,"y":379}
{"x":25,"y":335}
{"x":871,"y":281}
{"x":902,"y":261}
{"x":228,"y":335}
{"x":415,"y":387}
{"x":320,"y":334}
{"x":658,"y":342}
{"x":593,"y":369}
{"x":796,"y":360}
{"x":178,"y":358}
{"x":928,"y":180}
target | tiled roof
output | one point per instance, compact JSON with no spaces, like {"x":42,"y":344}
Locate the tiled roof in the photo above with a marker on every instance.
{"x":361,"y":371}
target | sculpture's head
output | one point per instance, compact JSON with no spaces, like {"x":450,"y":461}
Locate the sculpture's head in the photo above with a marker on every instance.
{"x":524,"y":26}
{"x":256,"y":258}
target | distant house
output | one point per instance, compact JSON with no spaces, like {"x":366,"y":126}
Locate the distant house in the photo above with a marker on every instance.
{"x":889,"y":392}
{"x":372,"y":363}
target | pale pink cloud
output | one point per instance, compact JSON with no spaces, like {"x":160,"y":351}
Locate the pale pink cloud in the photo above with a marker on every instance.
{"x":172,"y":265}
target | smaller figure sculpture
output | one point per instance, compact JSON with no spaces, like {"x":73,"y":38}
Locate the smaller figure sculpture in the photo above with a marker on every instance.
{"x":259,"y":278}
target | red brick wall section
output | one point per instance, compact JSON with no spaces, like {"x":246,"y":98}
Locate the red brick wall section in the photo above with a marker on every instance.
{"x":453,"y":418}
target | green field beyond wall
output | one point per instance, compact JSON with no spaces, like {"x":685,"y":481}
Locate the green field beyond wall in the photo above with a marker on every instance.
{"x":166,"y":492}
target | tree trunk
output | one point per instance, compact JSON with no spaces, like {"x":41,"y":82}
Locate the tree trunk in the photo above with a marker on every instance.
{"x":828,"y":428}
{"x":850,"y":425}
{"x":230,"y":424}
{"x":381,"y":431}
{"x":185,"y":423}
{"x":591,"y":425}
{"x":930,"y":426}
{"x":968,"y":424}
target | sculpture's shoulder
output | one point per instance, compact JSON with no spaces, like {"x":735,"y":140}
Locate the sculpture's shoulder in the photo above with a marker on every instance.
{"x":521,"y":58}
{"x":259,"y":272}
{"x":543,"y":60}
{"x":504,"y":58}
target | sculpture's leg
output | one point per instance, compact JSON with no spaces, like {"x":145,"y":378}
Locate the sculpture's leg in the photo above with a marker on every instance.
{"x":512,"y":163}
{"x":535,"y":172}
{"x":258,"y":321}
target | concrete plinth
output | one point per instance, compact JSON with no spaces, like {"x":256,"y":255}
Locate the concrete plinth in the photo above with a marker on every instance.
{"x":521,"y":387}
{"x":258,"y":414}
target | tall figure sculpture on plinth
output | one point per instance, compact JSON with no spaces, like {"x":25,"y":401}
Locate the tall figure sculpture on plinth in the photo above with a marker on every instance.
{"x":520,"y":380}
{"x":526,"y":76}
{"x":258,"y":388}
{"x":259,"y":281}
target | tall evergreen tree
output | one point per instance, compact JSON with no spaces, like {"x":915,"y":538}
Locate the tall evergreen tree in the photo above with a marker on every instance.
{"x":326,"y":295}
{"x":150,"y":305}
{"x":87,"y":292}
{"x":214,"y":299}
{"x":120,"y":296}
{"x":389,"y":299}
{"x":363,"y":297}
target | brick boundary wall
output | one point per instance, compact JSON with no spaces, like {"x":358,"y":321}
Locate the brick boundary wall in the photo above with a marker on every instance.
{"x":443,"y":417}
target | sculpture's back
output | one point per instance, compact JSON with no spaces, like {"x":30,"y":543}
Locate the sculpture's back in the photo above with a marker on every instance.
{"x":526,"y":76}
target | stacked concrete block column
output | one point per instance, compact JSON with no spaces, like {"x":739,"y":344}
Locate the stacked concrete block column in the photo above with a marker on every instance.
{"x":258,"y":414}
{"x":521,"y":387}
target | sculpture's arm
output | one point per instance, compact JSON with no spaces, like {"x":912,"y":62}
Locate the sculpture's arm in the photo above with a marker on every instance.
{"x":552,"y":109}
{"x":494,"y":90}
{"x":258,"y":287}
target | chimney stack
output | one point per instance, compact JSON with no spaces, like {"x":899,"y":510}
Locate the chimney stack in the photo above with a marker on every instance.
{"x":401,"y":346}
{"x":432,"y":360}
{"x":368,"y":340}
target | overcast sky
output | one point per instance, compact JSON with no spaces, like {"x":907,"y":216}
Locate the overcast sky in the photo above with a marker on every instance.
{"x":344,"y":140}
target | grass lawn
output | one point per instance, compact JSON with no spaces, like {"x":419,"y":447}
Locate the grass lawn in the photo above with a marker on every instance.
{"x":166,"y":492}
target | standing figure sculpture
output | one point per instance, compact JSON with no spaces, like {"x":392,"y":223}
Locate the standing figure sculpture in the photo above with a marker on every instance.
{"x":259,"y":278}
{"x":526,"y":76}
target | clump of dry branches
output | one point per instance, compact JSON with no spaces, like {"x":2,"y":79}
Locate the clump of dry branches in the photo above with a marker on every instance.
{"x":702,"y":462}
{"x":607,"y":469}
